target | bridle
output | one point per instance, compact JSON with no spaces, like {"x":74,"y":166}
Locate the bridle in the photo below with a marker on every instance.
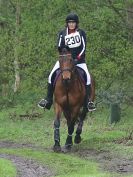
{"x":64,"y":57}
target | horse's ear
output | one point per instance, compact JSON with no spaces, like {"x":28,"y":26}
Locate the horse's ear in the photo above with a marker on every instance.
{"x":64,"y":49}
{"x":67,"y":48}
{"x":59,"y":49}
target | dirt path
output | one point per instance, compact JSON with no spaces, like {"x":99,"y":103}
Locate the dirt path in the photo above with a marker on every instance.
{"x":107,"y":161}
{"x":9,"y":144}
{"x":29,"y":168}
{"x":25,"y":167}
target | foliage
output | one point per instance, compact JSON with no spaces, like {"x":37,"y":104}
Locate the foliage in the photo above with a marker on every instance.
{"x":109,"y":49}
{"x":36,"y":138}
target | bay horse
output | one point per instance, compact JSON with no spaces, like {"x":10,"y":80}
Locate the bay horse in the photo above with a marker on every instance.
{"x":69,"y":96}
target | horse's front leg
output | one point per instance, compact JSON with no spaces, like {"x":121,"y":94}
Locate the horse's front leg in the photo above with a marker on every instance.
{"x":69,"y":141}
{"x":77,"y":138}
{"x":57,"y":146}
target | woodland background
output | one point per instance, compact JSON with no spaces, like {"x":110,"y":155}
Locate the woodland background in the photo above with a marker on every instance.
{"x":28,"y":51}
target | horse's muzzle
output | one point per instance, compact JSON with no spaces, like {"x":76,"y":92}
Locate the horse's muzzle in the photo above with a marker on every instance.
{"x":66,"y":81}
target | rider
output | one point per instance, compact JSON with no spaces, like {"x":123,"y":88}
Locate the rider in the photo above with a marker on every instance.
{"x":75,"y":39}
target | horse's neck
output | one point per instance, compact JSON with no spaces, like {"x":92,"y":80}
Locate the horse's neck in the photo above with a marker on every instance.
{"x":75,"y":80}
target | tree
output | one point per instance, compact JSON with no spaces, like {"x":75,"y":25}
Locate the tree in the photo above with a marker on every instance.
{"x":17,"y":43}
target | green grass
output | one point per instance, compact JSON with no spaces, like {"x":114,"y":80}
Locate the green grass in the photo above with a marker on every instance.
{"x":28,"y":131}
{"x":60,"y":164}
{"x":7,"y":169}
{"x":97,"y":134}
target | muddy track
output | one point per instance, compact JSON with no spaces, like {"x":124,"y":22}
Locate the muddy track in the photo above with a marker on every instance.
{"x":107,"y":161}
{"x":25,"y":167}
{"x":9,"y":144}
{"x":29,"y":168}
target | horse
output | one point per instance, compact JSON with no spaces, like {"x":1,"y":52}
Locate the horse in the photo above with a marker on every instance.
{"x":69,"y":99}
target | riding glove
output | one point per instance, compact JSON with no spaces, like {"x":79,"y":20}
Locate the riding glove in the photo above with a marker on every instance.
{"x":75,"y":61}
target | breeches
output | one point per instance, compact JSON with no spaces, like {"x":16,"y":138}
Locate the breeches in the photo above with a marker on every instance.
{"x":82,"y":65}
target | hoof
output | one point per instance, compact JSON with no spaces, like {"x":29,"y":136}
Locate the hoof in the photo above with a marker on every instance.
{"x":56,"y":148}
{"x":66,"y":148}
{"x":77,"y":139}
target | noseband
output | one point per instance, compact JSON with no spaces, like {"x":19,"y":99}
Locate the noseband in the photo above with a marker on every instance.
{"x":66,"y":69}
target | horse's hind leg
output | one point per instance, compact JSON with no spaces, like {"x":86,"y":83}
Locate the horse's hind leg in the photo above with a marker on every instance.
{"x":57,"y":147}
{"x":77,"y":138}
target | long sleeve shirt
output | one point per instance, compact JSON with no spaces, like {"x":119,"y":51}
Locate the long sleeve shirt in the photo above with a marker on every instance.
{"x":76,"y":41}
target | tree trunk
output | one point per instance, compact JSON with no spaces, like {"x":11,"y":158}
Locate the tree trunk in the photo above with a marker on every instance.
{"x":17,"y":76}
{"x":16,"y":61}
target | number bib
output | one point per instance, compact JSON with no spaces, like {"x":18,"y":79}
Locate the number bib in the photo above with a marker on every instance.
{"x":73,"y":40}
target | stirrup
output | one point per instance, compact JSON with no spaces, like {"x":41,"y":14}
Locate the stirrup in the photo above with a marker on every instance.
{"x":91,"y":106}
{"x":45,"y":104}
{"x":42,"y":104}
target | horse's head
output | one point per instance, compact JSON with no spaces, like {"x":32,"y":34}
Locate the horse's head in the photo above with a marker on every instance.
{"x":66,"y":64}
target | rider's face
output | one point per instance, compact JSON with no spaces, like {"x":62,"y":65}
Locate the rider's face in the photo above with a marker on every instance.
{"x":71,"y":25}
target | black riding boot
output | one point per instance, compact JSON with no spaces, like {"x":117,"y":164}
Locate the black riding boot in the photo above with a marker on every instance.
{"x":87,"y":96}
{"x":47,"y":102}
{"x":88,"y":103}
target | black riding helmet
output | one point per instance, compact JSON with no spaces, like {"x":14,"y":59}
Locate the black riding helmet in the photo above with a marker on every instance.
{"x":72,"y":17}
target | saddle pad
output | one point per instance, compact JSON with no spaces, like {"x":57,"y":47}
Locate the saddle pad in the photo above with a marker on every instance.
{"x":55,"y":76}
{"x":82,"y":74}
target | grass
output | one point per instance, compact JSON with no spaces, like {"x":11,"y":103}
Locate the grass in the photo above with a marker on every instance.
{"x":61,"y":164}
{"x":97,"y":134}
{"x":28,"y":131}
{"x":7,"y":169}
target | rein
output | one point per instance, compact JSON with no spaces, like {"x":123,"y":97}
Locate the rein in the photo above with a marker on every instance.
{"x":65,"y":58}
{"x":74,"y":76}
{"x":74,"y":68}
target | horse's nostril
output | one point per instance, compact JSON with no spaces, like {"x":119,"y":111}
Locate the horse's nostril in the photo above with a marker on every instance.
{"x":66,"y":81}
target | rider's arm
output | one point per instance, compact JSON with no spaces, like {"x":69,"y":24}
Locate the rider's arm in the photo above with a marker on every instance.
{"x":83,"y":45}
{"x":60,"y":42}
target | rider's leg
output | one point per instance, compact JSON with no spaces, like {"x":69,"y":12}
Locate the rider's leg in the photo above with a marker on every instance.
{"x":47,"y":102}
{"x":90,"y":105}
{"x":88,"y":102}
